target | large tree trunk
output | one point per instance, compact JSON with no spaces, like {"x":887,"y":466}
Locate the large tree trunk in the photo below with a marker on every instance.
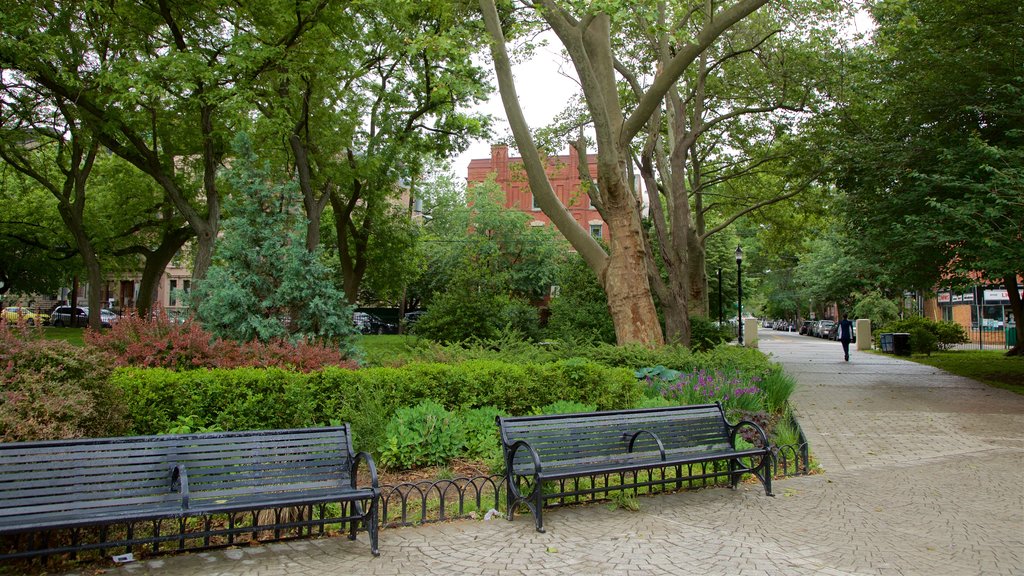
{"x":352,"y":240}
{"x":698,"y":277}
{"x":156,"y":263}
{"x":625,"y":281}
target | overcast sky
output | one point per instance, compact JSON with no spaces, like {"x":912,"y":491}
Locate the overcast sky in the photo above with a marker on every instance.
{"x":543,"y":93}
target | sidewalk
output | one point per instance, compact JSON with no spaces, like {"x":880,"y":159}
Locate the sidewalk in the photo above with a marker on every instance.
{"x":922,"y":475}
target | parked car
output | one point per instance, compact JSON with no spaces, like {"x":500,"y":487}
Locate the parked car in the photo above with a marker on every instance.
{"x":805,"y":328}
{"x":15,"y":314}
{"x":823,"y":328}
{"x":62,"y":316}
{"x":368,"y":323}
{"x":413,"y":317}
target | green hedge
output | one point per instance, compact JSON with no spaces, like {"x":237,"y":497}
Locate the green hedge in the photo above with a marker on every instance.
{"x":927,"y":335}
{"x":246,"y":398}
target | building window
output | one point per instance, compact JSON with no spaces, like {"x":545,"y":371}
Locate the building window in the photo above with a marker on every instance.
{"x":172,"y":293}
{"x":947,"y":313}
{"x":533,"y":200}
{"x":595,"y":230}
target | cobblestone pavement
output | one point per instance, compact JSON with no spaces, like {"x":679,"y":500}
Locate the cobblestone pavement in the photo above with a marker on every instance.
{"x":922,"y":474}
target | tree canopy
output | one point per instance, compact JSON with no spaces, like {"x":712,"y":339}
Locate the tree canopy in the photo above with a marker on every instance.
{"x":929,"y":144}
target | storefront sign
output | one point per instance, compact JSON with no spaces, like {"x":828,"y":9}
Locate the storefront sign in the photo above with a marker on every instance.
{"x":999,"y":296}
{"x":962,"y":298}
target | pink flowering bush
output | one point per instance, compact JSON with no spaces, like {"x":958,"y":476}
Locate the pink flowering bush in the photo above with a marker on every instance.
{"x":159,"y":342}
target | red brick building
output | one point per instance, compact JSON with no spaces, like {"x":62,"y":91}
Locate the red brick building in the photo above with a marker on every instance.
{"x":563,"y":173}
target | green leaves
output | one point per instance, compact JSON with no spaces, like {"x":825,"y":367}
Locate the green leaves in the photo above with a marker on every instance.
{"x":930,"y":147}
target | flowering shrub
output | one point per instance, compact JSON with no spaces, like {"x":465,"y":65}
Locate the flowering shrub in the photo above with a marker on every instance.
{"x":735,"y":389}
{"x":54,"y":390}
{"x":159,"y":342}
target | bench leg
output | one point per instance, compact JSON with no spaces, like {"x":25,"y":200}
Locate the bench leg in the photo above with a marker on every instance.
{"x":538,"y":506}
{"x":353,"y":525}
{"x":510,"y":497}
{"x":766,"y":474}
{"x":534,"y":501}
{"x":374,"y":526}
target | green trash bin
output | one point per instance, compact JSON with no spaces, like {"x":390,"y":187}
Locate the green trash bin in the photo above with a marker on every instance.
{"x":1011,"y":336}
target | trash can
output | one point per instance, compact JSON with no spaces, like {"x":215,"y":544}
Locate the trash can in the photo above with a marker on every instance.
{"x":1011,"y":336}
{"x":901,"y":344}
{"x":885,"y":341}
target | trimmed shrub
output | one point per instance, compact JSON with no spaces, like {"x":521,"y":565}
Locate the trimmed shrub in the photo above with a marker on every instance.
{"x":50,"y":390}
{"x":931,"y":335}
{"x":237,"y":399}
{"x":247,"y":398}
{"x":923,"y":341}
{"x":566,"y":407}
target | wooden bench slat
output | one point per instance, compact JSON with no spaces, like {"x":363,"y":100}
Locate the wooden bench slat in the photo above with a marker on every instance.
{"x":84,"y":448}
{"x":72,"y":483}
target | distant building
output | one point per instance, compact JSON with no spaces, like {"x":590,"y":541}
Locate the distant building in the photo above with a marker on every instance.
{"x":563,"y":173}
{"x":984,"y":311}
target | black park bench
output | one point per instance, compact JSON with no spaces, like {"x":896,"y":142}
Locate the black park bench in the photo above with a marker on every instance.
{"x":553,"y":448}
{"x":90,"y":484}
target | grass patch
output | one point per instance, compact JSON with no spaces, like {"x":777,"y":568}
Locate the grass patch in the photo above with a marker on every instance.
{"x":389,"y":349}
{"x":73,"y":336}
{"x":992,"y":367}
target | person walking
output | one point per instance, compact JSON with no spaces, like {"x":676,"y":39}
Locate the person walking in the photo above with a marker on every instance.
{"x":845,"y":335}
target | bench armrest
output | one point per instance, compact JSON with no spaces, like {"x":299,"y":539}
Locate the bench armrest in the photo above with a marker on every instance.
{"x":760,"y":431}
{"x":179,"y":483}
{"x":512,"y":456}
{"x":370,"y":465}
{"x":632,"y":440}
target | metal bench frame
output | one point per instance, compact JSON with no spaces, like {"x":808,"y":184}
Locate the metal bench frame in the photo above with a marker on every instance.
{"x":98,"y":482}
{"x":565,"y":446}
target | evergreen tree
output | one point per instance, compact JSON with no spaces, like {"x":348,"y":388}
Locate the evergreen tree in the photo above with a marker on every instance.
{"x":264,"y":283}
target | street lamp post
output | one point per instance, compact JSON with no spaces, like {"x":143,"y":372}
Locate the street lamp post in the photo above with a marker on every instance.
{"x":721,"y":319}
{"x":739,"y":291}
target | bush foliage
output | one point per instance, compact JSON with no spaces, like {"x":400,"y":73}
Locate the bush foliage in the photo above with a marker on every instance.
{"x":50,"y":389}
{"x":272,"y":398}
{"x":927,"y":336}
{"x":422,"y":435}
{"x":264,"y":283}
{"x":159,"y":342}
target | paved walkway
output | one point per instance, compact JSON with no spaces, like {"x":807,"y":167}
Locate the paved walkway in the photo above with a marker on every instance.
{"x":923,"y":474}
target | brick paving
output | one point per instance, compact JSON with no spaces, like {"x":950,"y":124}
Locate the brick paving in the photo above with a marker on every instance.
{"x":922,"y":474}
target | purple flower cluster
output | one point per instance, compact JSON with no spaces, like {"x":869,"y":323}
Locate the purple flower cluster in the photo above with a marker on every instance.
{"x":704,"y":386}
